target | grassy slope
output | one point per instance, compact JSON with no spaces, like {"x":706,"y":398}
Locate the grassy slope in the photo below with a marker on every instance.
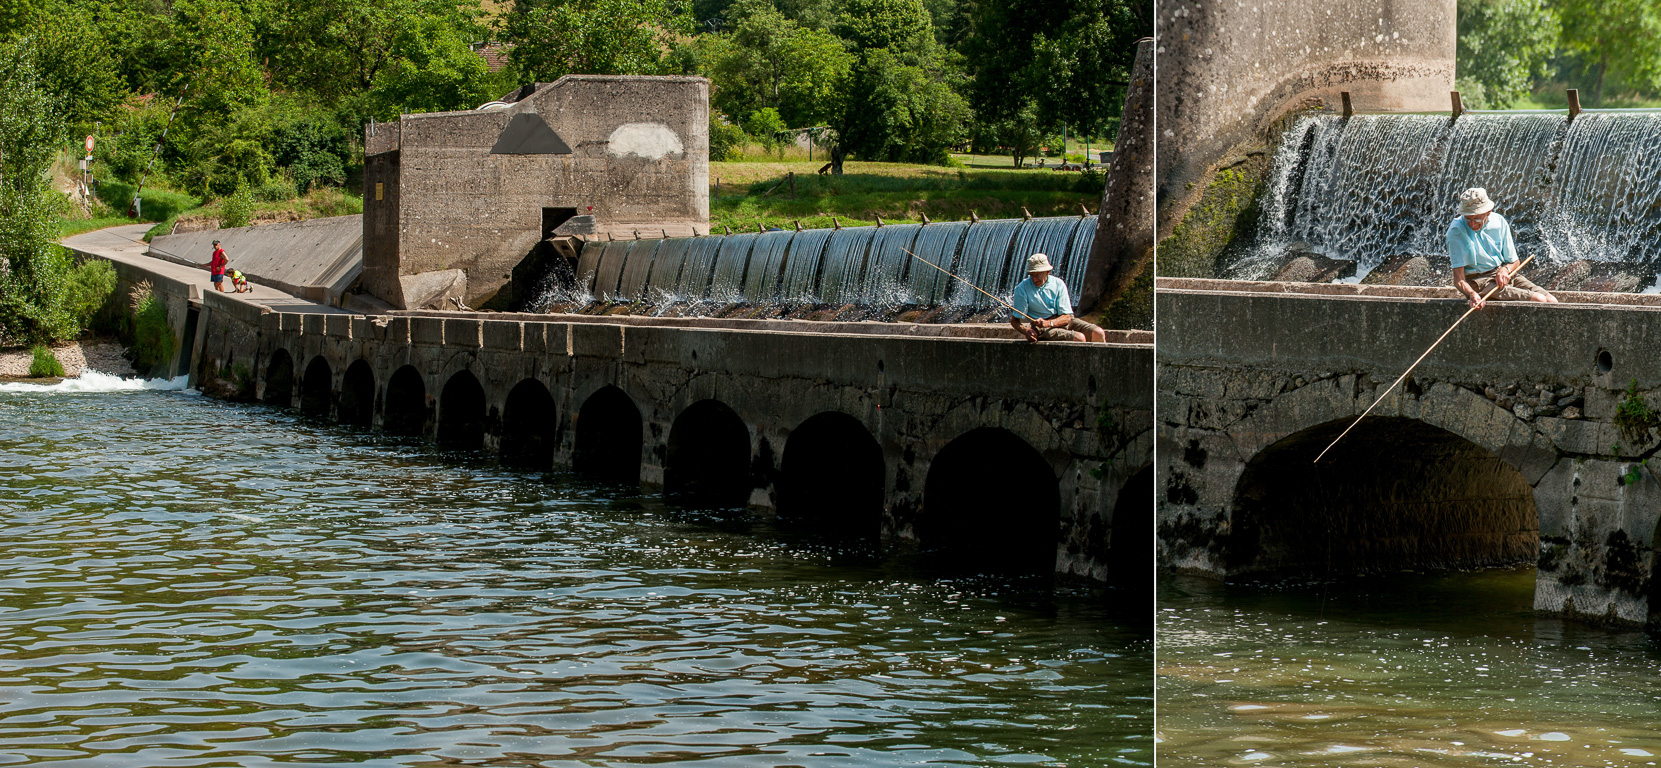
{"x":896,"y":192}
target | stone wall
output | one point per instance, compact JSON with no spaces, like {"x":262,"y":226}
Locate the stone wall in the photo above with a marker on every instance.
{"x":1252,"y":385}
{"x":473,"y":192}
{"x":1084,"y":410}
{"x":1229,"y":71}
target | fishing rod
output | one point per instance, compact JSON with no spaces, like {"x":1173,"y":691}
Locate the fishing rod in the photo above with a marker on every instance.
{"x":1399,"y":379}
{"x":971,"y":285}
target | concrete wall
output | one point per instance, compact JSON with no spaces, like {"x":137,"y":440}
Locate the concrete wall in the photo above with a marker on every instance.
{"x":906,"y":392}
{"x":317,"y":259}
{"x":638,"y":159}
{"x":1244,"y":375}
{"x":1229,"y":71}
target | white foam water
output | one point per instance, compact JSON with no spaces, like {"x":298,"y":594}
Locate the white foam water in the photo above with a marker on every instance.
{"x":93,"y":381}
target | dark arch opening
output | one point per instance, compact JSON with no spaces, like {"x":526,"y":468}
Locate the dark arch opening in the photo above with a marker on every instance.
{"x":461,"y":412}
{"x":1397,"y":494}
{"x":406,"y":403}
{"x":1130,"y":559}
{"x":357,"y":395}
{"x":317,"y":388}
{"x":609,"y":438}
{"x":279,"y":379}
{"x":992,"y":504}
{"x":709,"y":457}
{"x":528,"y":422}
{"x":831,"y":478}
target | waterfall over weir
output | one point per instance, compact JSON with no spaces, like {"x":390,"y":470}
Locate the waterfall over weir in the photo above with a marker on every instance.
{"x":861,"y":272}
{"x":1375,"y":187}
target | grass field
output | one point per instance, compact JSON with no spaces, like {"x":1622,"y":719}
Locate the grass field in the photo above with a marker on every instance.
{"x":740,"y":199}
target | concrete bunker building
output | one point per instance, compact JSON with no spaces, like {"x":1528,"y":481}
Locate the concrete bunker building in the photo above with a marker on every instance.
{"x":456,"y":202}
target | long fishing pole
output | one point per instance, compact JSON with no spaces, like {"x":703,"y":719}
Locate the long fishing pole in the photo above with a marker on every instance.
{"x":971,"y":285}
{"x":1421,"y":359}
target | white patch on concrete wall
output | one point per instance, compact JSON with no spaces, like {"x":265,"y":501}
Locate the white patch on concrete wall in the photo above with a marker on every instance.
{"x":653,"y":141}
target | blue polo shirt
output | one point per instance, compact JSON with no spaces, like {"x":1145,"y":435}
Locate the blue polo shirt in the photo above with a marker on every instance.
{"x":1481,"y":250}
{"x":1043,"y":303}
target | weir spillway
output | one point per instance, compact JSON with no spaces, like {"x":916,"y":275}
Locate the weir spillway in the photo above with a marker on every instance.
{"x":867,"y":267}
{"x":1371,"y":187}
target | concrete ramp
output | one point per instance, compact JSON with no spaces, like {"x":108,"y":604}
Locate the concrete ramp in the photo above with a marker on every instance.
{"x":316,"y":259}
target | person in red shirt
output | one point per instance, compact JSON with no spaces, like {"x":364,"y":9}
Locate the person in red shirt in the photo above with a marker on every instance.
{"x":216,"y":267}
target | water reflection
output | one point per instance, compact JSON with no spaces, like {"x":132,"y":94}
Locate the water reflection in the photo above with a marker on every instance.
{"x":1409,"y":670}
{"x":188,"y":582}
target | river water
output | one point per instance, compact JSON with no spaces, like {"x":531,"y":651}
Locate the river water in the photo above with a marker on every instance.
{"x":190,"y":582}
{"x":1411,"y":670}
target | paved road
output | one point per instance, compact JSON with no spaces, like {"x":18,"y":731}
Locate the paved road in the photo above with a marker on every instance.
{"x":125,"y":244}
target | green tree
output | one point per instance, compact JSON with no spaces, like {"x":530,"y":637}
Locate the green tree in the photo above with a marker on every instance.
{"x":1064,"y":62}
{"x":767,"y":61}
{"x":432,"y":69}
{"x":41,"y":290}
{"x":1504,"y":46}
{"x":553,"y":38}
{"x":900,"y":100}
{"x":1616,"y":39}
{"x":77,"y":64}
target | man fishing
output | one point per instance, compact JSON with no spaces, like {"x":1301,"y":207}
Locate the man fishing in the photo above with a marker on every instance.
{"x":1483,"y":254}
{"x":1044,"y":302}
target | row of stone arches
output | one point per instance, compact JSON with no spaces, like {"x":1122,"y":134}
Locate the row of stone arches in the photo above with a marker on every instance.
{"x":989,"y":497}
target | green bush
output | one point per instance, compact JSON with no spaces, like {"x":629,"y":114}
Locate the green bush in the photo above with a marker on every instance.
{"x":45,"y":363}
{"x":90,"y":284}
{"x":154,"y":204}
{"x":725,"y":139}
{"x":152,"y":336}
{"x":237,"y":209}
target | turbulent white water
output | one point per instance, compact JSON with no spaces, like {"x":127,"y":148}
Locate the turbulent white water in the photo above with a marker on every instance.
{"x":93,"y":381}
{"x":1376,"y":186}
{"x":857,"y":265}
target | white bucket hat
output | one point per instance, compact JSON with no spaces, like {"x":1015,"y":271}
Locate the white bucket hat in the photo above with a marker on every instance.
{"x":1038,"y":262}
{"x":1474,"y":202}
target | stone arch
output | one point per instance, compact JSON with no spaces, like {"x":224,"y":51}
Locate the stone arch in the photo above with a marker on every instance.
{"x":461,"y":412}
{"x":991,"y":503}
{"x":279,"y":379}
{"x":317,"y":387}
{"x":832,"y":478}
{"x":357,"y":395}
{"x":1130,"y":560}
{"x":405,"y":411}
{"x":609,"y":437}
{"x":1397,"y":493}
{"x":708,"y":461}
{"x":529,"y":419}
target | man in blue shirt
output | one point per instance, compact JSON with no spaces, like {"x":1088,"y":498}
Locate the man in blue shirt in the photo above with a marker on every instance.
{"x":1484,"y":254}
{"x":1044,"y":298}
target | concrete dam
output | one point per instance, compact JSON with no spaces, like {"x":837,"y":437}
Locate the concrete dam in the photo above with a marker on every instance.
{"x":848,"y":273}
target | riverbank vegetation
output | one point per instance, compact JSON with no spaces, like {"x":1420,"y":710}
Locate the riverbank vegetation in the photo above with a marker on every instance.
{"x":197,"y":101}
{"x":1522,"y":54}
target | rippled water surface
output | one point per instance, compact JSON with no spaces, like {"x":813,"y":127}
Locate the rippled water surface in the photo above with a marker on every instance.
{"x":188,"y":582}
{"x":1427,"y":671}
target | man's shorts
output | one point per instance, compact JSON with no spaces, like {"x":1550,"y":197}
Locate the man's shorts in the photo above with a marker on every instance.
{"x":1520,"y":288}
{"x":1066,"y":334}
{"x":218,"y":278}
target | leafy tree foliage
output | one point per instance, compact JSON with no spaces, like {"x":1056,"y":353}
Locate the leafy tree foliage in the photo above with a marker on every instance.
{"x":44,"y":296}
{"x":1063,"y":62}
{"x":1614,"y":40}
{"x":554,"y":38}
{"x":768,"y":61}
{"x":1504,"y":45}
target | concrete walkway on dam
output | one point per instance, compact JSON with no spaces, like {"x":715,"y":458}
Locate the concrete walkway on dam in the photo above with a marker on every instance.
{"x":124,"y":245}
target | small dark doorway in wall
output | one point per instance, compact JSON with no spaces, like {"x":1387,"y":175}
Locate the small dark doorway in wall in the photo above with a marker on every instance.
{"x":541,"y":269}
